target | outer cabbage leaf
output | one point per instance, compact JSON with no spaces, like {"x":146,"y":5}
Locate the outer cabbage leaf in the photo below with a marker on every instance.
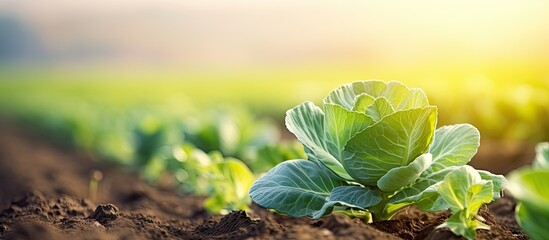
{"x":349,"y":196}
{"x":453,"y":145}
{"x":393,"y":142}
{"x":399,"y":177}
{"x":306,"y":122}
{"x":295,"y":187}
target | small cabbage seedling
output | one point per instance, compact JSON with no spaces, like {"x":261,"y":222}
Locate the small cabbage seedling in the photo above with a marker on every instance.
{"x":372,"y":150}
{"x":530,"y":186}
{"x":224,"y":180}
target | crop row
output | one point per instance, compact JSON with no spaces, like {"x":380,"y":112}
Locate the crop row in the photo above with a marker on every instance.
{"x":371,"y":149}
{"x":215,"y":152}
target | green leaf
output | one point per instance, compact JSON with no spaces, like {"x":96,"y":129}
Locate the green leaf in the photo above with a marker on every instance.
{"x":403,"y":98}
{"x":542,"y":156}
{"x":453,"y":145}
{"x":399,"y":177}
{"x":431,"y":201}
{"x":424,"y":193}
{"x":533,"y":221}
{"x":414,"y":192}
{"x":415,"y":98}
{"x":465,"y":192}
{"x":362,"y":101}
{"x":231,"y":180}
{"x":393,"y":142}
{"x":463,"y":188}
{"x":456,"y":224}
{"x":295,"y":187}
{"x":530,"y":186}
{"x":346,"y":95}
{"x":499,"y":182}
{"x":238,"y":177}
{"x":355,"y":195}
{"x":349,"y":196}
{"x":340,"y":125}
{"x":379,"y":109}
{"x":531,"y":189}
{"x":306,"y":122}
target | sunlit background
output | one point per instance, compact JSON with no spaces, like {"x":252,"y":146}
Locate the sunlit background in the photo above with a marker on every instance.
{"x":484,"y":62}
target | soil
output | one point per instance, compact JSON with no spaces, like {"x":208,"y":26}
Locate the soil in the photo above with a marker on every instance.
{"x":45,"y":194}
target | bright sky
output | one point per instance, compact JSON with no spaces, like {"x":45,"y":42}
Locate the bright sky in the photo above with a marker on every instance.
{"x":272,"y":33}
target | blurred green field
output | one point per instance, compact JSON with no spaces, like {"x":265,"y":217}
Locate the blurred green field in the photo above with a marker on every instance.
{"x":513,"y":107}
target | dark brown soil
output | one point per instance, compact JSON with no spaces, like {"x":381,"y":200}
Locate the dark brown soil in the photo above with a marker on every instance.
{"x":45,"y":195}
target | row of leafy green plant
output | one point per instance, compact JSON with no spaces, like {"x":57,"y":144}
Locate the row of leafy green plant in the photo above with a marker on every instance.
{"x":214,"y":152}
{"x":499,"y":109}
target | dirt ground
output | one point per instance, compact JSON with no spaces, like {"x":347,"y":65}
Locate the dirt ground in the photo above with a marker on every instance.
{"x":45,"y":194}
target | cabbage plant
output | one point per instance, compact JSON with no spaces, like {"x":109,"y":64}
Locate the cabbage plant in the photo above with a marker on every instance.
{"x":372,"y":149}
{"x":225,"y":180}
{"x":530,"y":186}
